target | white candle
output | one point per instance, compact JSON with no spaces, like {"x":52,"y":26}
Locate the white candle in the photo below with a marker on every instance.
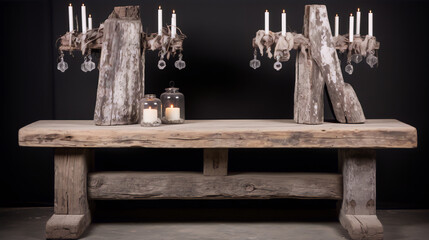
{"x":172,"y":113}
{"x":337,"y":25}
{"x":89,"y":22}
{"x":351,"y":23}
{"x":284,"y":23}
{"x":150,"y":115}
{"x":358,"y":22}
{"x":173,"y":24}
{"x":83,"y":11}
{"x":71,"y":18}
{"x":370,"y":23}
{"x":267,"y":22}
{"x":159,"y":20}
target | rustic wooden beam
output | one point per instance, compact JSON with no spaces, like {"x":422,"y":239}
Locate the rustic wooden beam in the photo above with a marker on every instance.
{"x":188,"y":185}
{"x":121,"y":78}
{"x":344,"y":101}
{"x":215,"y":161}
{"x":381,"y":133}
{"x":72,"y":215}
{"x":358,"y":211}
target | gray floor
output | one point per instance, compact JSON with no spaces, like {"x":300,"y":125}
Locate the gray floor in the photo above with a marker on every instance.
{"x":29,"y":223}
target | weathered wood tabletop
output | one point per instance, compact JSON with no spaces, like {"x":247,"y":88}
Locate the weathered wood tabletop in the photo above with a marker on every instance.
{"x":375,"y":133}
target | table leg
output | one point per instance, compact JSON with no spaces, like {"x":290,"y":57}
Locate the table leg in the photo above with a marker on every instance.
{"x":72,"y":215}
{"x":358,"y":208}
{"x":215,"y":161}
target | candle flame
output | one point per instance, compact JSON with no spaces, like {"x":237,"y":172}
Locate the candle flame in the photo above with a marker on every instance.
{"x":70,"y":4}
{"x":266,"y":10}
{"x":351,"y":14}
{"x":174,"y":11}
{"x":358,"y":9}
{"x":150,"y":107}
{"x":90,"y":16}
{"x":284,"y":11}
{"x":336,"y":15}
{"x":172,"y":106}
{"x":370,"y":11}
{"x":159,"y":7}
{"x":83,"y":4}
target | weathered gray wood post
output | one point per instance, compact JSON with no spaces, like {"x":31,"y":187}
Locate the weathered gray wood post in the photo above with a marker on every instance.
{"x":358,"y":207}
{"x":121,"y":78}
{"x":71,"y":207}
{"x":319,"y":66}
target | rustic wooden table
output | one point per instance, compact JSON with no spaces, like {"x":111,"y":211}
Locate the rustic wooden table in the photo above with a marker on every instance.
{"x":355,"y":186}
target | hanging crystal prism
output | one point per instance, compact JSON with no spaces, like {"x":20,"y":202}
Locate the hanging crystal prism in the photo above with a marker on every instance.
{"x":357,"y":58}
{"x":62,"y":66}
{"x":83,"y":65}
{"x":349,"y":68}
{"x":89,"y":64}
{"x":278,"y":65}
{"x":180,"y":64}
{"x":255,"y":63}
{"x":371,"y":60}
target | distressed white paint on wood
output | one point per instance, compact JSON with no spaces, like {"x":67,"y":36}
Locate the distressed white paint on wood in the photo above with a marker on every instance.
{"x":215,"y":161}
{"x":309,"y":86}
{"x":359,"y":197}
{"x":121,"y":78}
{"x":375,"y":133}
{"x":344,"y":101}
{"x":188,"y":185}
{"x":72,"y":214}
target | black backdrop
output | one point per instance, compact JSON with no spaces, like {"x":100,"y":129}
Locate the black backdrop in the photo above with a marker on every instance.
{"x":218,"y":83}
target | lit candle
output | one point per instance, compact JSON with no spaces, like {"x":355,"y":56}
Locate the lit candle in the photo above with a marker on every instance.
{"x":159,"y":20}
{"x":370,"y":23}
{"x":83,"y":11}
{"x":358,"y":22}
{"x":70,"y":18}
{"x":284,"y":23}
{"x":89,"y":22}
{"x":337,"y":25}
{"x":173,"y":24}
{"x":351,"y":23}
{"x":150,"y":115}
{"x":172,"y":113}
{"x":267,"y":22}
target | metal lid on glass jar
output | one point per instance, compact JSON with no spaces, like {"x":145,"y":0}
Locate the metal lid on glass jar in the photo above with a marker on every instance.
{"x":150,"y":95}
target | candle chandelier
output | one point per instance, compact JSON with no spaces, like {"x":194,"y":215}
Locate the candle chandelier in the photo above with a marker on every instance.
{"x":167,"y":41}
{"x":356,"y":45}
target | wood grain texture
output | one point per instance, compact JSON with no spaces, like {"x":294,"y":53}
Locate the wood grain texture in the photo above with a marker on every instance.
{"x":215,"y":161}
{"x":188,"y":185}
{"x":67,"y":226}
{"x":121,"y":78}
{"x":72,"y":215}
{"x":358,"y":209}
{"x":376,"y":133}
{"x":344,"y":101}
{"x":309,"y":85}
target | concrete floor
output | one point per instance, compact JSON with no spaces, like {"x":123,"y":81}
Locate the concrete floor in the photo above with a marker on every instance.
{"x":29,"y":223}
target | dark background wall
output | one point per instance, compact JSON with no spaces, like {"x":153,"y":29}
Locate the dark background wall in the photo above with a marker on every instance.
{"x":218,"y":83}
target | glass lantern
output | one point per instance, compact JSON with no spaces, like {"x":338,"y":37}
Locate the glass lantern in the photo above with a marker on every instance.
{"x":173,"y":106}
{"x":150,"y":111}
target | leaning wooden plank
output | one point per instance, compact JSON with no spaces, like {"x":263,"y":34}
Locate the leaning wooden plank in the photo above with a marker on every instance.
{"x":121,"y":78}
{"x":187,"y":185}
{"x":381,"y":133}
{"x":215,"y":162}
{"x":344,"y":102}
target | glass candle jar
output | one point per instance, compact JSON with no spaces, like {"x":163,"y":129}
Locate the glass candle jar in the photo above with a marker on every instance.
{"x":150,"y":111}
{"x":173,"y":106}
